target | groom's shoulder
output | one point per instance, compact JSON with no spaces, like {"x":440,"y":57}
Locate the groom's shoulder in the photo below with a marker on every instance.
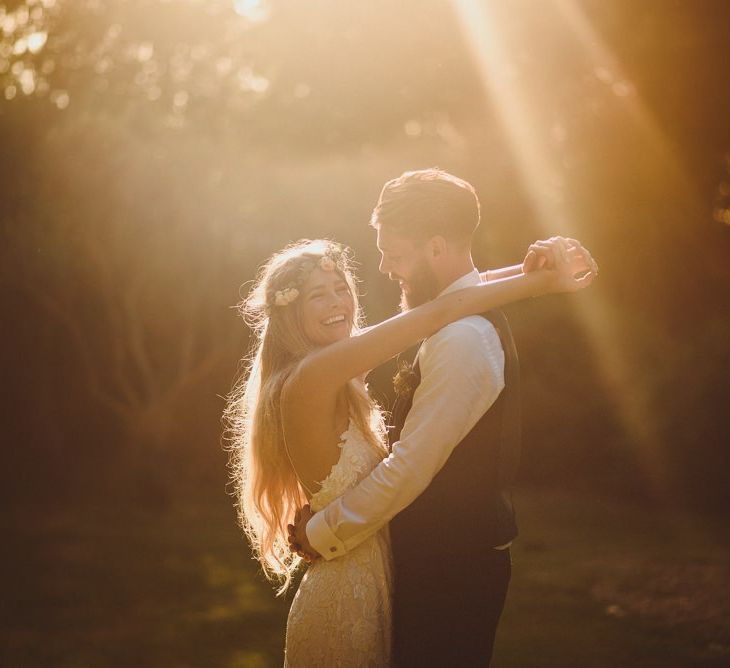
{"x":471,"y":347}
{"x":472,"y":331}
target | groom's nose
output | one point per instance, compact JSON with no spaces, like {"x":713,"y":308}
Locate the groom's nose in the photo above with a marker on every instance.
{"x":384,"y":267}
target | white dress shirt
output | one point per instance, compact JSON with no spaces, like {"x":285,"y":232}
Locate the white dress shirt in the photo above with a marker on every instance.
{"x":462,"y":374}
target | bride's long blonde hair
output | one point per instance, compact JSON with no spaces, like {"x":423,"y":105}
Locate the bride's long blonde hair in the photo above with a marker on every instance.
{"x":266,"y":487}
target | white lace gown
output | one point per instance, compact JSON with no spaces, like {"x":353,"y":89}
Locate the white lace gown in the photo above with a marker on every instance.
{"x":341,"y":615}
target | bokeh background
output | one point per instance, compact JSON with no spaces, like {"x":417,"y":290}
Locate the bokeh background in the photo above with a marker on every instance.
{"x":154,"y":152}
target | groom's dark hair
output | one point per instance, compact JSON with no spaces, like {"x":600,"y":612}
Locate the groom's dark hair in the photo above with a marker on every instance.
{"x":428,"y":202}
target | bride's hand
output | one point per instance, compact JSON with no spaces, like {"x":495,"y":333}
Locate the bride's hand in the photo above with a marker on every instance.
{"x":570,"y":266}
{"x":544,"y":254}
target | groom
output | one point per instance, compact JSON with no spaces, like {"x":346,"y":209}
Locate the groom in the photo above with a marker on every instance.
{"x":454,"y":441}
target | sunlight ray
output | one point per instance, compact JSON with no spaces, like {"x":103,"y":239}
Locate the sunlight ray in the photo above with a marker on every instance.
{"x":521,"y":113}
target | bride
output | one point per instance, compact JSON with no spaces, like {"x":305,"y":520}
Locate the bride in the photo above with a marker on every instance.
{"x":305,"y":430}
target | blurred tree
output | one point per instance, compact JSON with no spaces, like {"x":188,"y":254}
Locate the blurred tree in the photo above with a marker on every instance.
{"x":154,"y":151}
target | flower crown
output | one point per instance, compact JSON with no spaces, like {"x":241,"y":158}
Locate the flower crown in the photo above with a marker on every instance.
{"x":332,"y":259}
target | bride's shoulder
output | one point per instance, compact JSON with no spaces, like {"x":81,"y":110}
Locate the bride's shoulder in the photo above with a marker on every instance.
{"x":304,"y":404}
{"x":305,"y":392}
{"x":290,"y":383}
{"x":298,"y":382}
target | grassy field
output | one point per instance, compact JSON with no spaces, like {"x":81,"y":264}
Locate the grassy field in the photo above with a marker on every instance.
{"x":594,"y":584}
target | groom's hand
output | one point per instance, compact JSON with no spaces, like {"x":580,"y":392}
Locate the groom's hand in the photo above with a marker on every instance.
{"x":298,"y":541}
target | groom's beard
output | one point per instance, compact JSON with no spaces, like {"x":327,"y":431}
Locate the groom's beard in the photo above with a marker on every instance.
{"x":422,"y":287}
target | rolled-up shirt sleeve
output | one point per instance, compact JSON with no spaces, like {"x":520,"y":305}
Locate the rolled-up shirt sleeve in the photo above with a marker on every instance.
{"x":462,"y":371}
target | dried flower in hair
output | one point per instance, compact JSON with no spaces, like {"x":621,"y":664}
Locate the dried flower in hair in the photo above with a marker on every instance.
{"x":286,"y":296}
{"x":332,"y":259}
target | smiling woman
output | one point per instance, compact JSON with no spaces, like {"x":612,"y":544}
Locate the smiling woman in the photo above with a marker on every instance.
{"x":305,"y":297}
{"x":327,"y":307}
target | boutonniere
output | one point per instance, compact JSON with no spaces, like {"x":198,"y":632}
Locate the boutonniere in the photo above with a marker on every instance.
{"x":406,"y":380}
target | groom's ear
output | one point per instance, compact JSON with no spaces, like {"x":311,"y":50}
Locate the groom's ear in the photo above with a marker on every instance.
{"x":437,"y":246}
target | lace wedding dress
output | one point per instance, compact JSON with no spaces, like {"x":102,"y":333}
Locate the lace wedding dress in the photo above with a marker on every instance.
{"x":341,"y":615}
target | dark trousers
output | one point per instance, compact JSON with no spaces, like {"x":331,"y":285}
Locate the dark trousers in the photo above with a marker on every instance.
{"x":449,"y":617}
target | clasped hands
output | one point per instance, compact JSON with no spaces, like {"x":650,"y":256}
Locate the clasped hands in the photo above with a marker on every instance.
{"x":565,"y":255}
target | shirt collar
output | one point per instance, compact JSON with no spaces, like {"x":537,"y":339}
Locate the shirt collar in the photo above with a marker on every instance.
{"x":467,"y":280}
